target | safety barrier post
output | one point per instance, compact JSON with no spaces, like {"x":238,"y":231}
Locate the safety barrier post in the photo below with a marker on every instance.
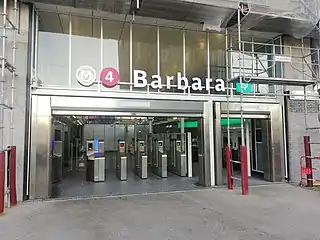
{"x":12,"y":176}
{"x":307,"y":153}
{"x":229,"y":171}
{"x":244,"y":170}
{"x":2,"y":180}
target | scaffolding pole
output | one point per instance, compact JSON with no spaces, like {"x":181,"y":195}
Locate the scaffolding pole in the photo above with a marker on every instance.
{"x":3,"y":64}
{"x":13,"y":84}
{"x":7,"y":148}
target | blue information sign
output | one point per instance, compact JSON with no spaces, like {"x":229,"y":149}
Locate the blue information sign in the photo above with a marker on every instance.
{"x":96,"y":147}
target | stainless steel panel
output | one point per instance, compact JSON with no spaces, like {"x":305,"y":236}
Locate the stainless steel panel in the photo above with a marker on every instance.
{"x":123,"y":105}
{"x":99,"y":169}
{"x":109,"y":138}
{"x":276,"y":143}
{"x":132,"y":96}
{"x":123,"y":169}
{"x":164,"y":166}
{"x":41,"y":160}
{"x":248,"y":116}
{"x":144,"y":167}
{"x":218,"y":145}
{"x":88,"y":132}
{"x":119,"y":132}
{"x":204,"y":147}
{"x":183,"y":165}
{"x":98,"y":131}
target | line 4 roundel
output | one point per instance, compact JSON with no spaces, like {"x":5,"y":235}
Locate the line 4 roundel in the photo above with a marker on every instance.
{"x":109,"y":77}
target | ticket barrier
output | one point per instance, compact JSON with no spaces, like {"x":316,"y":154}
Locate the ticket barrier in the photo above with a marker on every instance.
{"x":141,"y":160}
{"x":95,"y":161}
{"x":121,"y":161}
{"x":159,"y":165}
{"x":178,"y":156}
{"x":57,"y":159}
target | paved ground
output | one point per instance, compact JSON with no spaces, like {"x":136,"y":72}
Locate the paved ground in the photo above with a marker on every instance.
{"x":270,"y":212}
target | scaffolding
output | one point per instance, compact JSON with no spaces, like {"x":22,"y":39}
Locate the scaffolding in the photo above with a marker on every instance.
{"x":262,"y":68}
{"x":7,"y":97}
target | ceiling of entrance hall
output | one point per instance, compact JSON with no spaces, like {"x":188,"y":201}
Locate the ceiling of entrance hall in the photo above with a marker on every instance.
{"x":188,"y":14}
{"x":166,"y":11}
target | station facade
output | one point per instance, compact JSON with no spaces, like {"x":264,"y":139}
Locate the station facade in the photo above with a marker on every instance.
{"x":77,"y":61}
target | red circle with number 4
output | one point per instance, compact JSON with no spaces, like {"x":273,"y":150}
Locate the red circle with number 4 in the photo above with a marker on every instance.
{"x":109,"y":77}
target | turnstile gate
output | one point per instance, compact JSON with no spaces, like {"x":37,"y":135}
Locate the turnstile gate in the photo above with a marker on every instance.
{"x":141,"y":160}
{"x":178,"y":157}
{"x":159,"y":159}
{"x":121,"y":161}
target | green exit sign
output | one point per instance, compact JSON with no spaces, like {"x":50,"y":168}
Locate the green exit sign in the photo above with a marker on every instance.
{"x":189,"y":124}
{"x":246,"y":88}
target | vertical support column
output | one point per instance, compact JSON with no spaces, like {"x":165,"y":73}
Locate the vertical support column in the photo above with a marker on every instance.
{"x":131,"y":58}
{"x":206,"y":146}
{"x":189,"y":151}
{"x":247,"y":126}
{"x":150,"y":126}
{"x":208,"y":59}
{"x":101,"y":52}
{"x":307,"y":153}
{"x":184,"y":53}
{"x":12,"y":175}
{"x":70,"y":52}
{"x":158,"y":54}
{"x":2,"y":181}
{"x":182,"y":125}
{"x":217,"y":150}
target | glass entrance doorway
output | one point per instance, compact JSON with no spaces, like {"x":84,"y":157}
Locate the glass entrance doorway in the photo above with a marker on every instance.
{"x":256,"y":140}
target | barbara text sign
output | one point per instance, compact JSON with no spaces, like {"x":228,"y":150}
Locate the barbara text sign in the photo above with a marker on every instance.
{"x":140,"y":80}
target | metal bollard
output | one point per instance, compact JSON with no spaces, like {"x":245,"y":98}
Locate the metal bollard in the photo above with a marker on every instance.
{"x":229,"y":171}
{"x":2,"y":180}
{"x":12,"y":176}
{"x":244,"y":170}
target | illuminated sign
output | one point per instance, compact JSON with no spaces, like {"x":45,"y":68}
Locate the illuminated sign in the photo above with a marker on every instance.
{"x":189,"y":124}
{"x":182,"y":83}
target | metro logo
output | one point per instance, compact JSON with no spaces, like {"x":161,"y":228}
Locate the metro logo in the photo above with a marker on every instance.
{"x":86,"y":76}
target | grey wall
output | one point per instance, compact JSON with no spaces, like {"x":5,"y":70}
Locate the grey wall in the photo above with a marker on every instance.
{"x":20,"y":94}
{"x":296,"y":131}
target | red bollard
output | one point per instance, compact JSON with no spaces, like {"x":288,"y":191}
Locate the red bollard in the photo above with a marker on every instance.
{"x":244,"y":170}
{"x":307,"y":153}
{"x":229,"y":171}
{"x":13,"y":188}
{"x":2,"y":180}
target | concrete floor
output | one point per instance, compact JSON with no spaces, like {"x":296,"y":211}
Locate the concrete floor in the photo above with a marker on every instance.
{"x":77,"y":186}
{"x":277,"y":211}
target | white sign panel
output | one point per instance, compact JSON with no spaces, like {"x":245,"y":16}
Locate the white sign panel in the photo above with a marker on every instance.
{"x":279,"y":58}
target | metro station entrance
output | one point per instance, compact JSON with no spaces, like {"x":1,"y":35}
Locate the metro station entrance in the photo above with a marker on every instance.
{"x":116,"y":155}
{"x":83,"y":147}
